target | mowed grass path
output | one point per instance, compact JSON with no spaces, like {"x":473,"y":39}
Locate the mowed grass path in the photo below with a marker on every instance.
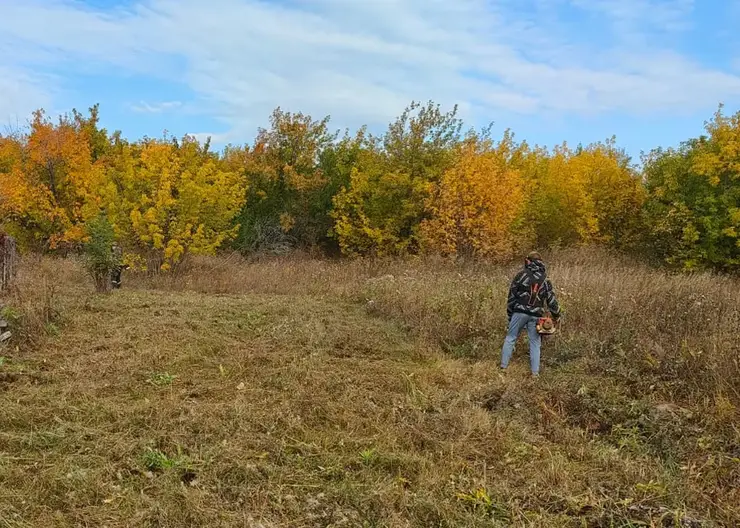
{"x":170,"y":409}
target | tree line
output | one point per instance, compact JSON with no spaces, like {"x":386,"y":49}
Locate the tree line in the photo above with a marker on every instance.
{"x":425,"y":185}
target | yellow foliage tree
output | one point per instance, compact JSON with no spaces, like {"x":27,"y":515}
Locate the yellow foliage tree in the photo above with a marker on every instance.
{"x":580,"y":196}
{"x":615,"y":193}
{"x":167,"y":205}
{"x":376,"y":214}
{"x":559,"y":206}
{"x":476,"y":206}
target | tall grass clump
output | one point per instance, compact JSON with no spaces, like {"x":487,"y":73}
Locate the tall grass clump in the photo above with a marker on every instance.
{"x":35,"y":306}
{"x":643,"y":358}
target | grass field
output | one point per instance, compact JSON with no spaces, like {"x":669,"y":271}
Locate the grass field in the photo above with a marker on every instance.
{"x":313,"y":393}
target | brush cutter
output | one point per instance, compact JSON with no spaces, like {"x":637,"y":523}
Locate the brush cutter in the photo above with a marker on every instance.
{"x":545,"y":326}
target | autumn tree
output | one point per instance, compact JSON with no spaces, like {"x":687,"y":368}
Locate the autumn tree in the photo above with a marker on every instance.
{"x":694,"y":198}
{"x":338,"y":162}
{"x":11,"y":154}
{"x":287,"y":183}
{"x":168,"y":199}
{"x":615,"y":194}
{"x":379,"y":212}
{"x":382,"y":209}
{"x":97,"y":138}
{"x":559,"y":209}
{"x":50,"y":181}
{"x":476,"y":207}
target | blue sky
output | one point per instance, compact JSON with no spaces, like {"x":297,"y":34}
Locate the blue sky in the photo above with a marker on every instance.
{"x":648,"y":71}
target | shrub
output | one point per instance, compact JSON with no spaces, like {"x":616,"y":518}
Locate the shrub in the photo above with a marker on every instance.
{"x":100,"y":260}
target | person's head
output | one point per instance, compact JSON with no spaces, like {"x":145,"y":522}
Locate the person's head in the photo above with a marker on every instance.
{"x":533,"y":256}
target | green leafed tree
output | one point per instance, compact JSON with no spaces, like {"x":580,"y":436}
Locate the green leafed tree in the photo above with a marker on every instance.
{"x":694,"y":198}
{"x":100,"y":260}
{"x":381,"y":210}
{"x":287,"y":182}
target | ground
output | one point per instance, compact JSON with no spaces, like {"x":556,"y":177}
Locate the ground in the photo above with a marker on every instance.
{"x":151,"y":407}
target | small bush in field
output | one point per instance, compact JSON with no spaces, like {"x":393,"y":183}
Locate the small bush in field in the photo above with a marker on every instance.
{"x":99,"y":258}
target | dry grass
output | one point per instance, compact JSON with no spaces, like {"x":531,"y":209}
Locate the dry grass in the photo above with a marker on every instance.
{"x":313,"y":393}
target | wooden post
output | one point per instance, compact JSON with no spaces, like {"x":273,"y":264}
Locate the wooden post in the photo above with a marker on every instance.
{"x":8,"y":261}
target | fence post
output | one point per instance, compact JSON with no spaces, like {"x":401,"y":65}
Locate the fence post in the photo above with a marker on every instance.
{"x":8,"y":261}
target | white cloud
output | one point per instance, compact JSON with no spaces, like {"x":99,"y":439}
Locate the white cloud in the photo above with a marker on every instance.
{"x":22,"y":93}
{"x":155,"y":108}
{"x":363,"y":61}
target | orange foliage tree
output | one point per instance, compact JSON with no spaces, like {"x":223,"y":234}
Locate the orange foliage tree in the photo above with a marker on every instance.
{"x":476,"y":207}
{"x":50,"y":182}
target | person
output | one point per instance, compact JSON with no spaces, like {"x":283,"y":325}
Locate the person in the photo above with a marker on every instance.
{"x":530,"y":293}
{"x":117,"y":265}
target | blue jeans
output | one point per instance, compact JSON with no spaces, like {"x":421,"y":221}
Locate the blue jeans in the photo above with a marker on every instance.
{"x":518,"y":322}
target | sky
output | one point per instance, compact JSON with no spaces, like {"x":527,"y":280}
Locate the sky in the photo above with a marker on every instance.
{"x":650,"y":72}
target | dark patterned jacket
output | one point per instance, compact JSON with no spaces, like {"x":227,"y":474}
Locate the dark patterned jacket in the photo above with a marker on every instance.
{"x":531,"y":291}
